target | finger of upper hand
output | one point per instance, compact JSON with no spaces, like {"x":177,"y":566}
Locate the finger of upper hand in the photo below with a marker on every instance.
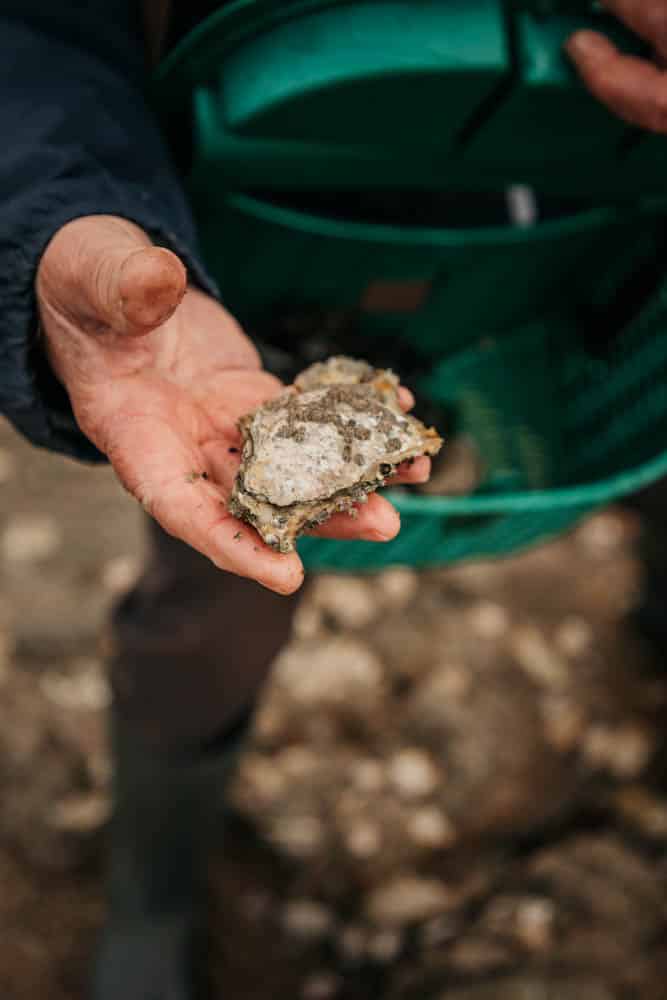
{"x":647,"y":18}
{"x":632,"y":88}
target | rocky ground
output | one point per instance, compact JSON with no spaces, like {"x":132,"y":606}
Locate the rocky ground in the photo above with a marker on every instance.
{"x":455,"y":791}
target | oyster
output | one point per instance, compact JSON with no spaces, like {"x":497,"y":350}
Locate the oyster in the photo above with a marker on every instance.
{"x":321,"y":447}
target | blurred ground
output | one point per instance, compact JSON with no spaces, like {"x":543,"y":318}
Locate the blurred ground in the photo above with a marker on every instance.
{"x":456,"y":788}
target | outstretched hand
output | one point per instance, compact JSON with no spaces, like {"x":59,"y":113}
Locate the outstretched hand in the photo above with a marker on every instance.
{"x":631,"y":87}
{"x":158,"y":375}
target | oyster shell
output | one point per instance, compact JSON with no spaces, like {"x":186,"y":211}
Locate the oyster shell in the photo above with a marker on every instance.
{"x":322,"y":447}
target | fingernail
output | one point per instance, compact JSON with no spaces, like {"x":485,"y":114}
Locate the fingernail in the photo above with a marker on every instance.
{"x":379,"y":536}
{"x":583,"y":43}
{"x":386,"y":536}
{"x":151,"y":283}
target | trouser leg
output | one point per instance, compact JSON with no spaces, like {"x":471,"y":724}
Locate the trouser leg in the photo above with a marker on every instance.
{"x":192,"y":648}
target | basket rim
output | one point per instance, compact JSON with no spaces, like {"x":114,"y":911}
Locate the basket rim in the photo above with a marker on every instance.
{"x":585,"y":495}
{"x":504,"y":236}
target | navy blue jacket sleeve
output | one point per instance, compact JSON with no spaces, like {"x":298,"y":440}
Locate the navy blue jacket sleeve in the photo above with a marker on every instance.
{"x":77,"y":138}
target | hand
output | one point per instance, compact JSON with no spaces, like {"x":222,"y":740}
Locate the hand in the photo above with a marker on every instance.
{"x":633,"y":88}
{"x":158,"y":376}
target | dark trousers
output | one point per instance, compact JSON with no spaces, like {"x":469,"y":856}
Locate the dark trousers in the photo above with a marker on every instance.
{"x":192,"y":647}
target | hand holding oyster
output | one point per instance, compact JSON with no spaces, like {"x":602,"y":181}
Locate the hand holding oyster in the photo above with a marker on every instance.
{"x":322,"y":447}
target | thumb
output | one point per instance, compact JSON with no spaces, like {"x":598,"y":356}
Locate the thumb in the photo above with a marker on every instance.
{"x":103,"y":273}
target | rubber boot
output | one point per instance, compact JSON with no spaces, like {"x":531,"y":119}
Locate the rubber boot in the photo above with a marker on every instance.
{"x":168,"y":811}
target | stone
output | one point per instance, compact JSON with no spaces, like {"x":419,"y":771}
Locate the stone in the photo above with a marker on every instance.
{"x":80,"y":814}
{"x":647,"y":813}
{"x":84,"y":688}
{"x":397,"y":587}
{"x":120,"y":574}
{"x":430,"y":828}
{"x":407,"y":899}
{"x":308,"y":920}
{"x":348,"y":601}
{"x":30,"y":538}
{"x":488,"y":620}
{"x":622,"y":750}
{"x":574,"y":636}
{"x":321,"y":986}
{"x":385,"y":946}
{"x":299,"y":836}
{"x":538,"y":659}
{"x":342,"y":672}
{"x":363,"y":839}
{"x":413,"y":774}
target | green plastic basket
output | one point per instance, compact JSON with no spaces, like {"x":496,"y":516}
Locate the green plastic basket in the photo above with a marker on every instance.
{"x":597,"y":434}
{"x":353,"y":156}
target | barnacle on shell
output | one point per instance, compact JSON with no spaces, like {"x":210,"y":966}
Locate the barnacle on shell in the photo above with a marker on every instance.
{"x":321,"y":447}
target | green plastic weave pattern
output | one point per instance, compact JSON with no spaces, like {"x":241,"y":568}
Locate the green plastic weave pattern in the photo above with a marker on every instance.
{"x":610,"y":420}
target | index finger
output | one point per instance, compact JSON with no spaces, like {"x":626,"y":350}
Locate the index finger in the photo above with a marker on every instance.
{"x":632,"y":88}
{"x":166,"y":474}
{"x":196,"y":512}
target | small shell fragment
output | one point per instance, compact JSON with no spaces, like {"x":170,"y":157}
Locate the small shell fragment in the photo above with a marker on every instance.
{"x":321,"y":447}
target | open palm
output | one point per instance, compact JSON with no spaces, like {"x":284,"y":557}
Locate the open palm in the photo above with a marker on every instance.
{"x":158,"y":378}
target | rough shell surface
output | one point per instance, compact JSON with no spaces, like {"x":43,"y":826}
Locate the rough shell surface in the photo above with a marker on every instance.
{"x":322,"y":447}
